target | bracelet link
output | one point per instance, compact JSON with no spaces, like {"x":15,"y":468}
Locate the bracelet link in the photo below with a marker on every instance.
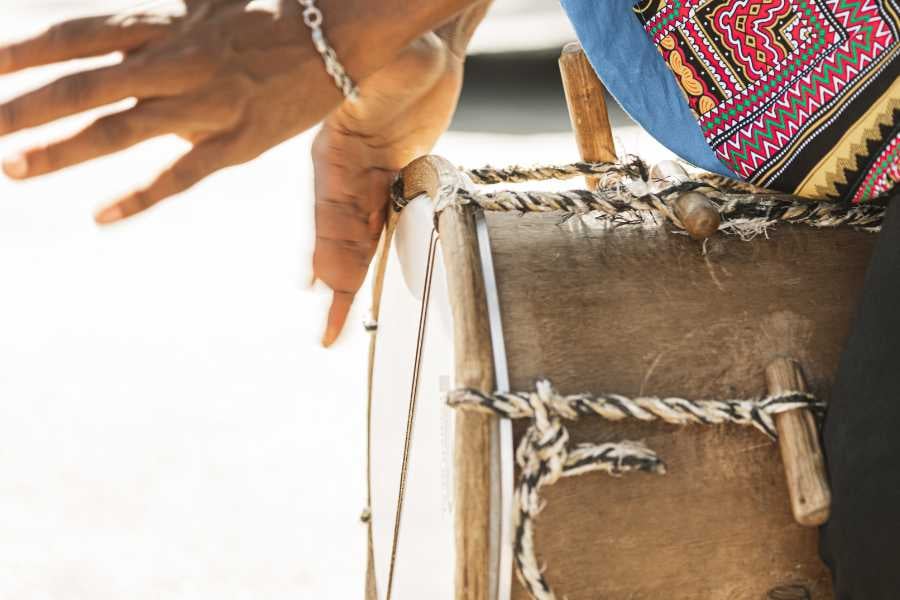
{"x":319,"y":41}
{"x":313,"y":19}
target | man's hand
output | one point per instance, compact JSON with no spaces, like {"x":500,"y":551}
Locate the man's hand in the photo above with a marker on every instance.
{"x":236,"y":82}
{"x":231,"y":81}
{"x":402,"y":111}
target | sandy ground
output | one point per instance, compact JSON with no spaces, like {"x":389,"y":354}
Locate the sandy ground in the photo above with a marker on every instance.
{"x":169,"y":427}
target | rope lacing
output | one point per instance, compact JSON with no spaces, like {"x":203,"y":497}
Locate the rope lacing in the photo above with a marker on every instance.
{"x":544,"y":454}
{"x":626,"y":192}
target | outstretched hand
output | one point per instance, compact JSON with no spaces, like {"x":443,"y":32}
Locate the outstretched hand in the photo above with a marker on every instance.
{"x":235,"y":82}
{"x":232,"y":81}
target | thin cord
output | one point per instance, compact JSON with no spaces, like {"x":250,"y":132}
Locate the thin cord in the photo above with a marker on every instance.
{"x":411,"y":413}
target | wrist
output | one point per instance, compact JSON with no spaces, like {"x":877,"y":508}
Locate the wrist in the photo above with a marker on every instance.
{"x":367,"y":35}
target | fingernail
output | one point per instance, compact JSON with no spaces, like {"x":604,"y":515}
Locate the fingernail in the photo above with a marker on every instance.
{"x":312,"y":281}
{"x":110,"y":214}
{"x":16,"y":166}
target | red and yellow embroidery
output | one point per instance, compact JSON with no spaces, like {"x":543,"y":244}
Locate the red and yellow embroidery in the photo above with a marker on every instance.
{"x":778,"y":84}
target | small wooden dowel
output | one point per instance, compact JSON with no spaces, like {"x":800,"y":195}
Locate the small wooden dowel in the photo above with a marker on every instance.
{"x":586,"y":98}
{"x":801,"y":452}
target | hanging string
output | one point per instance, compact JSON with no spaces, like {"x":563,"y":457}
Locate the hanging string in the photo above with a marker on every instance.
{"x":411,"y":412}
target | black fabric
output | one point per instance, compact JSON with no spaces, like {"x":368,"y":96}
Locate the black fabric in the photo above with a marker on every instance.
{"x":861,"y":541}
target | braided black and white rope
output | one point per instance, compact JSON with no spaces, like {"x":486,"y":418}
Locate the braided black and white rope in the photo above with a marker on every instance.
{"x":625,"y":196}
{"x":544,"y":455}
{"x":756,"y":412}
{"x":630,"y":168}
{"x":744,"y":214}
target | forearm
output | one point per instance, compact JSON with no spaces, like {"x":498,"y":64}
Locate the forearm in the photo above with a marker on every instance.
{"x":368,"y":34}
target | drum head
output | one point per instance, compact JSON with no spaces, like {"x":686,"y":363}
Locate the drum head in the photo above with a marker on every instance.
{"x":421,"y":562}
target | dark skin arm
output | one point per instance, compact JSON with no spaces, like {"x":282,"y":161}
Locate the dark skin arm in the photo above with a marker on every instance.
{"x":235,"y":83}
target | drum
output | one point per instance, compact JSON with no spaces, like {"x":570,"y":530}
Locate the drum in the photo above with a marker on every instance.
{"x":501,"y":300}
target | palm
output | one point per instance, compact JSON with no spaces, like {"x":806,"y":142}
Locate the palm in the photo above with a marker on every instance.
{"x":402,"y":111}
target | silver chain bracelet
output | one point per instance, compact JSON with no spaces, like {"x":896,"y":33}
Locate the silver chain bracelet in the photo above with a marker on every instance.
{"x":313,"y":18}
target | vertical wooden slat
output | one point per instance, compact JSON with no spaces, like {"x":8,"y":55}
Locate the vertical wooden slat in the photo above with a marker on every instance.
{"x":586,"y":98}
{"x":476,"y":450}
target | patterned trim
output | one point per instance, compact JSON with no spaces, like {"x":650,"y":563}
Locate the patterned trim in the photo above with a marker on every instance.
{"x":884,"y":173}
{"x":777,"y":84}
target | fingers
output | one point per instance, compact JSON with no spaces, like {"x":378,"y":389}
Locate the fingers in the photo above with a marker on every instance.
{"x":90,"y":89}
{"x":351,"y":199}
{"x":346,"y":240}
{"x":203,"y":160}
{"x":337,"y":316}
{"x":65,"y":96}
{"x":342,"y":262}
{"x":342,"y":265}
{"x":344,"y":220}
{"x":105,"y":136}
{"x":191,"y":117}
{"x":81,"y":38}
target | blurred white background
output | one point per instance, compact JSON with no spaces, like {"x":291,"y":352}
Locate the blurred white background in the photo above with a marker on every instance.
{"x":169,"y":427}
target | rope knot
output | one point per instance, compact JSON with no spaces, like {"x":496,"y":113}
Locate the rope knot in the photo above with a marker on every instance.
{"x":544,"y":454}
{"x":545,"y":444}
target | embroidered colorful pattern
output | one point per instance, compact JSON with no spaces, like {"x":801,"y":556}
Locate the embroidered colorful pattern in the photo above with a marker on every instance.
{"x":797,"y":95}
{"x":883,"y":174}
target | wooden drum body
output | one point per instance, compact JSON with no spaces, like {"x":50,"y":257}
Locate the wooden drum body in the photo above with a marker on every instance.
{"x":636,"y":311}
{"x":644,"y":312}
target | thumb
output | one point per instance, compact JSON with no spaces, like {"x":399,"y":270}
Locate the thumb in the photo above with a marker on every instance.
{"x":337,"y":316}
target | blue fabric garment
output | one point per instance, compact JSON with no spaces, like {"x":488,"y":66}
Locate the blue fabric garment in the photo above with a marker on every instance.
{"x":637,"y":77}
